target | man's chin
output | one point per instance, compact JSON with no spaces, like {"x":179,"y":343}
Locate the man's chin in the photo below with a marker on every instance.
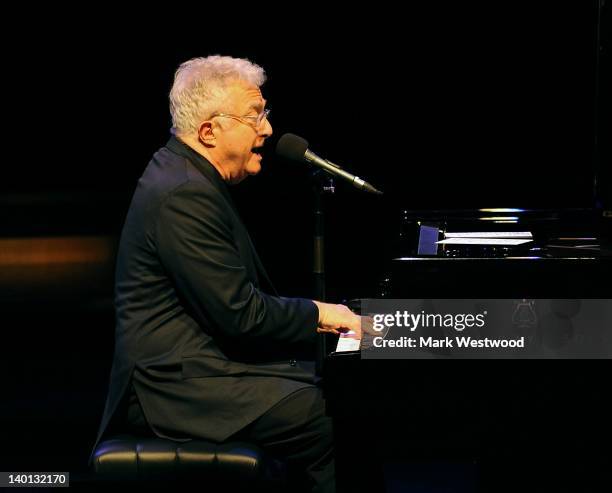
{"x":253,"y":169}
{"x":250,"y":171}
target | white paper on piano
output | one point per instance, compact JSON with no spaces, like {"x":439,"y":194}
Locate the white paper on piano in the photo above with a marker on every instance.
{"x":491,"y":234}
{"x":346,"y":343}
{"x":483,"y":241}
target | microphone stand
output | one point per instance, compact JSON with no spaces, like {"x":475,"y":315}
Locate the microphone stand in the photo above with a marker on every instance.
{"x":323,"y":183}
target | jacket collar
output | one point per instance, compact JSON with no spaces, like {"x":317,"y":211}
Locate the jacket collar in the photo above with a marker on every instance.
{"x":202,"y":164}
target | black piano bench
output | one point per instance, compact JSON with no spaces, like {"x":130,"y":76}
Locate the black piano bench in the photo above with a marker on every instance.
{"x":152,"y":460}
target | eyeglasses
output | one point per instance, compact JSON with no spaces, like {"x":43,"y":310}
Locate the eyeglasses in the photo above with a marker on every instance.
{"x":252,"y":121}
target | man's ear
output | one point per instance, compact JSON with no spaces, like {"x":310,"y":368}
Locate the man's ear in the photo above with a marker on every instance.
{"x":206,"y":134}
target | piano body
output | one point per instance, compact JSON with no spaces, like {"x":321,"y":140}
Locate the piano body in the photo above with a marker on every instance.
{"x":509,"y":422}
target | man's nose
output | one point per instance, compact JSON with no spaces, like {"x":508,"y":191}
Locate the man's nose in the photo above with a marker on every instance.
{"x":267,"y":128}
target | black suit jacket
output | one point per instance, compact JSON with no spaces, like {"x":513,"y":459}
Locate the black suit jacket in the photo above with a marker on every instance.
{"x":200,"y":330}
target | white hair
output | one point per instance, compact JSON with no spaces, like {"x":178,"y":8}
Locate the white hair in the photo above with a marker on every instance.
{"x":199,"y":86}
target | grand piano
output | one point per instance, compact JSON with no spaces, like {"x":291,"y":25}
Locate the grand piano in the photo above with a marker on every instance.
{"x":479,"y":425}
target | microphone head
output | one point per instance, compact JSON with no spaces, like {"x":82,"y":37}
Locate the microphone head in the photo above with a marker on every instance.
{"x":291,"y":146}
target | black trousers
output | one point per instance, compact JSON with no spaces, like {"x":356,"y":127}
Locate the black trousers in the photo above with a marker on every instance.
{"x":295,"y":430}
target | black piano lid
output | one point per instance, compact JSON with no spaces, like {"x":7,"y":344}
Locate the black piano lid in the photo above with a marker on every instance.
{"x":564,"y":260}
{"x":559,"y":233}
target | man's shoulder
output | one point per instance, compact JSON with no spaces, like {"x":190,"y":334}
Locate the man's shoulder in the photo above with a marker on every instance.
{"x":169,"y":174}
{"x":172,"y":181}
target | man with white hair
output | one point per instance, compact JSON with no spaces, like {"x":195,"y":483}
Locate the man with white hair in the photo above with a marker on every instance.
{"x":205,"y":348}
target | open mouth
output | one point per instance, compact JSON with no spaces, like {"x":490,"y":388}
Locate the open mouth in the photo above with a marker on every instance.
{"x":257,"y":150}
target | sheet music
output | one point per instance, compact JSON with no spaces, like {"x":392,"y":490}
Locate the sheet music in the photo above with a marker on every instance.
{"x":482,"y":241}
{"x":494,"y":234}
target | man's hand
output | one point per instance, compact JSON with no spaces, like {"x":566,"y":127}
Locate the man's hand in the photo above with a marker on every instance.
{"x":337,"y":319}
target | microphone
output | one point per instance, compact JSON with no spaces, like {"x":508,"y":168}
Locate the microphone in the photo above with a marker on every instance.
{"x":292,"y":147}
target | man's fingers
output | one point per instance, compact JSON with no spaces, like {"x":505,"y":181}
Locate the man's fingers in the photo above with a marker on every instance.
{"x":338,"y":319}
{"x":327,"y":330}
{"x":367,"y":326}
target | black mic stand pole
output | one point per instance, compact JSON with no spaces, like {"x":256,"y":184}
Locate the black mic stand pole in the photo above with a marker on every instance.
{"x":323,"y":183}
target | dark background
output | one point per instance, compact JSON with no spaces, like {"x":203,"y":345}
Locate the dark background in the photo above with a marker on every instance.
{"x":442,"y":107}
